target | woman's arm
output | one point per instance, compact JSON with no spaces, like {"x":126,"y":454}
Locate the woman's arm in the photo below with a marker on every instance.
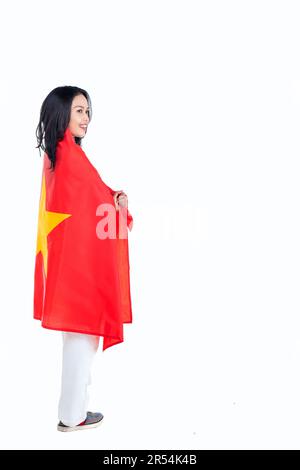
{"x":121,"y":200}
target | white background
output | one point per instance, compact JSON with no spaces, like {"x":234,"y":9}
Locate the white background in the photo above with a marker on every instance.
{"x":196,"y":117}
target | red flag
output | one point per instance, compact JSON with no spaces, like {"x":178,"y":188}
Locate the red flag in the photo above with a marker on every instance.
{"x":82,"y":271}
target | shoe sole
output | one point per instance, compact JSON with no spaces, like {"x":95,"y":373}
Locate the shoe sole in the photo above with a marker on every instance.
{"x":78,"y":428}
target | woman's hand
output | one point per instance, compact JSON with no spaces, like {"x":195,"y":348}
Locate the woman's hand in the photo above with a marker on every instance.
{"x":120,"y":199}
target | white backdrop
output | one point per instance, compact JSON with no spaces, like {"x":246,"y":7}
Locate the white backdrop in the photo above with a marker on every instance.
{"x":196,"y":117}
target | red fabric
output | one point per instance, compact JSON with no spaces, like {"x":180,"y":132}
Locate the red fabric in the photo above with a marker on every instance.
{"x":81,"y":282}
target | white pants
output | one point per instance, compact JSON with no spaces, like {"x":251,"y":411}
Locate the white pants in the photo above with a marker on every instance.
{"x":78,"y":354}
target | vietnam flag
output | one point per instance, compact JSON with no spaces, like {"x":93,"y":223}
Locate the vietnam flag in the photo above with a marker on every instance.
{"x":82,"y":271}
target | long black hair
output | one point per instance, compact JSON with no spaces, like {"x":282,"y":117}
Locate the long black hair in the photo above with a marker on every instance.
{"x":55,"y":116}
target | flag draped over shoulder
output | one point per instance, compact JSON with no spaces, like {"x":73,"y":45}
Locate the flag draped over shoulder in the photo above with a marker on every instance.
{"x":82,"y":276}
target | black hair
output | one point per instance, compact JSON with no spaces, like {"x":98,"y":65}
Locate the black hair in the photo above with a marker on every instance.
{"x":55,"y":117}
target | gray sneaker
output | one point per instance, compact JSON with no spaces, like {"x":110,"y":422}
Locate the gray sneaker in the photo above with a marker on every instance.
{"x":92,"y":420}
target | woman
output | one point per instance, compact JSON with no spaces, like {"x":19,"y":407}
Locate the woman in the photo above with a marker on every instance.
{"x":82,"y":272}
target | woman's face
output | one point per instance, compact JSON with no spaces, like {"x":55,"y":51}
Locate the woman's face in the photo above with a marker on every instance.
{"x":79,"y":119}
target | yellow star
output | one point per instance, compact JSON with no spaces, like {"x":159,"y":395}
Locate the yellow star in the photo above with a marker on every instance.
{"x":47,"y":222}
